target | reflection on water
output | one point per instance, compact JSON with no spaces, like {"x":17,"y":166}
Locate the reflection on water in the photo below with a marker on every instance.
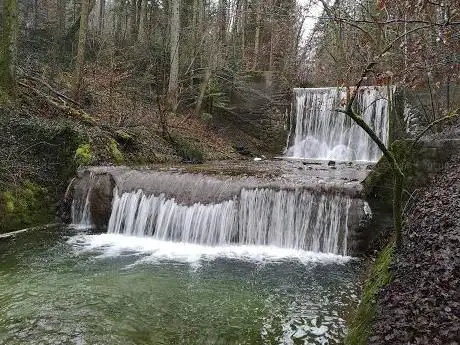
{"x":59,"y":287}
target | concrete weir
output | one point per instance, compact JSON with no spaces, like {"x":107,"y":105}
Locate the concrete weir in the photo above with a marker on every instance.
{"x":307,"y":205}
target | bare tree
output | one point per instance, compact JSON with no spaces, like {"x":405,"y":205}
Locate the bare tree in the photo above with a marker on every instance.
{"x":80,"y":59}
{"x":350,"y":34}
{"x":398,"y":175}
{"x":8,"y":48}
{"x":173,"y":85}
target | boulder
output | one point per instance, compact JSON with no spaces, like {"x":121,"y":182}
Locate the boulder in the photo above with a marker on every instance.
{"x":100,"y":199}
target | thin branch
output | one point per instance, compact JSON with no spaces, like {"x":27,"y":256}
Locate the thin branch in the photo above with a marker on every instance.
{"x":48,"y":86}
{"x":36,"y":144}
{"x":358,"y":85}
{"x":78,"y":113}
{"x":411,"y":197}
{"x":392,"y":21}
{"x":449,"y":116}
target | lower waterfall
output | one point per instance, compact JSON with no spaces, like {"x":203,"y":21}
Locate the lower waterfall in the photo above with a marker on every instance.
{"x":81,"y":214}
{"x":295,"y":219}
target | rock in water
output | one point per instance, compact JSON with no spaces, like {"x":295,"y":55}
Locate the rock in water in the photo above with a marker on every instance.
{"x":101,"y":200}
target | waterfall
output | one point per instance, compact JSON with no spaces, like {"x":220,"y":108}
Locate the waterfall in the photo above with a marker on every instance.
{"x":320,"y":132}
{"x":80,"y":209}
{"x":295,"y":219}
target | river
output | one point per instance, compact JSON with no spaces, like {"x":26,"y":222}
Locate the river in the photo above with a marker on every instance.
{"x":67,"y":286}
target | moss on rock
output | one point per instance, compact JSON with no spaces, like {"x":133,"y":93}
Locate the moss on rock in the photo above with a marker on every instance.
{"x":84,"y":154}
{"x":379,"y":183}
{"x":115,"y":152}
{"x":124,"y":136}
{"x":379,"y":276}
{"x":25,"y":205}
{"x":187,"y":150}
{"x":37,"y":162}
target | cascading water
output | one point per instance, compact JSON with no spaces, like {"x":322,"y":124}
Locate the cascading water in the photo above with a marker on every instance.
{"x":321,"y":132}
{"x":80,"y":211}
{"x":295,"y":219}
{"x":230,"y":224}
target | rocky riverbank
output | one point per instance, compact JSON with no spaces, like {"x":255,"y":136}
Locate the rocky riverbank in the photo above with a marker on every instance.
{"x":421,"y":305}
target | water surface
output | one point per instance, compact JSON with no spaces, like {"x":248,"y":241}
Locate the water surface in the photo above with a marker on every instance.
{"x":65,"y":286}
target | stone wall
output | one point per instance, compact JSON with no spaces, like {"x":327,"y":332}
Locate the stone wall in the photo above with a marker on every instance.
{"x":255,"y":119}
{"x":418,"y":163}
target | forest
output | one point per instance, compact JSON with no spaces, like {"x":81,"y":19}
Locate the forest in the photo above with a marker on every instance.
{"x":190,"y":57}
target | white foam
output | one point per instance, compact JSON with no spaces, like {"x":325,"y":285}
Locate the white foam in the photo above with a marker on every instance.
{"x":291,"y":219}
{"x":153,"y":250}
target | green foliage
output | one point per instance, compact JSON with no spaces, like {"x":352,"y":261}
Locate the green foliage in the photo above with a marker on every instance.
{"x":187,"y":150}
{"x":5,"y":99}
{"x":115,"y":152}
{"x":380,"y":276}
{"x":83,"y":154}
{"x":9,"y":201}
{"x":24,"y":206}
{"x":8,"y":49}
{"x":206,"y":117}
{"x":124,"y":137}
{"x":217,"y":95}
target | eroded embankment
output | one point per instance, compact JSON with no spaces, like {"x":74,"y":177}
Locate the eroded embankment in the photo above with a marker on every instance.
{"x":421,"y":305}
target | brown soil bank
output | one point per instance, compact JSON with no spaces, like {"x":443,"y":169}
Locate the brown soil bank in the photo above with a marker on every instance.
{"x":421,"y":305}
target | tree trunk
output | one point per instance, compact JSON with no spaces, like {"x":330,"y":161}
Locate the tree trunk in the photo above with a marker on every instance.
{"x":222,"y":20}
{"x":200,"y":26}
{"x":398,"y":175}
{"x":257,"y":36}
{"x":8,"y":48}
{"x":204,"y":86}
{"x":60,"y":14}
{"x":243,"y":31}
{"x":59,"y":30}
{"x":138,"y":18}
{"x":71,"y":32}
{"x":101,"y":16}
{"x":194,"y":28}
{"x":141,"y":36}
{"x":133,"y":21}
{"x":201,"y":16}
{"x":35,"y":25}
{"x":234,"y":30}
{"x":174,"y":55}
{"x":195,"y":34}
{"x":117,"y":20}
{"x":271,"y":22}
{"x":80,"y":60}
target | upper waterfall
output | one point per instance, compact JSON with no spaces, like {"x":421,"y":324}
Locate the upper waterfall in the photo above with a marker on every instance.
{"x":318,"y":131}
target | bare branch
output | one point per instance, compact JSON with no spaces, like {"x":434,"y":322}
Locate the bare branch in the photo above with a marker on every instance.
{"x":358,"y":85}
{"x":392,"y":21}
{"x":450,"y":116}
